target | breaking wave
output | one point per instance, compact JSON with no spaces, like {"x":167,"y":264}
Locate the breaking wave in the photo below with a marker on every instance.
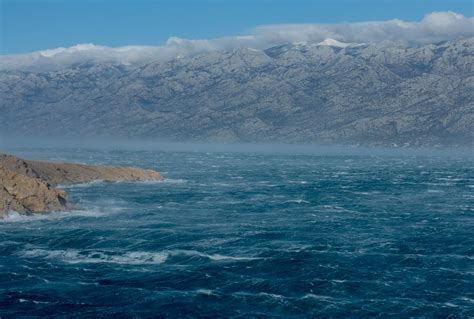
{"x":74,"y":256}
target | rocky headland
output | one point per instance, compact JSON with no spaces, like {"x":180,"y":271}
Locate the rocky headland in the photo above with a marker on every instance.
{"x":28,"y":186}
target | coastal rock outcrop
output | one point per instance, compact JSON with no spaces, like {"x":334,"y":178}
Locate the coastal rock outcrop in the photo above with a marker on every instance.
{"x":25,"y":194}
{"x":28,"y":186}
{"x":71,"y":173}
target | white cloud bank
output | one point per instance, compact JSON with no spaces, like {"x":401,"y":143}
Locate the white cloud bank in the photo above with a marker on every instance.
{"x":434,"y":27}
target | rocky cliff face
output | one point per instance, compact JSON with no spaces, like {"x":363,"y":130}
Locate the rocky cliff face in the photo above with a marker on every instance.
{"x":27,"y":186}
{"x":25,"y":194}
{"x":369,"y":94}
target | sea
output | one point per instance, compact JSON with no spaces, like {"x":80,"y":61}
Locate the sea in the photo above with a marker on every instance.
{"x":249,"y":233}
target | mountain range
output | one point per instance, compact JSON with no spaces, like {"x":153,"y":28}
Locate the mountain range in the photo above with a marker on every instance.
{"x":329,"y":93}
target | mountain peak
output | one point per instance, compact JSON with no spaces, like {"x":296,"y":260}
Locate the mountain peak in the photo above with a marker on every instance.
{"x":336,"y":43}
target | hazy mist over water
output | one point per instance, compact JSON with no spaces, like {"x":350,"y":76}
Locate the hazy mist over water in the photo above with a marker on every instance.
{"x":18,"y":143}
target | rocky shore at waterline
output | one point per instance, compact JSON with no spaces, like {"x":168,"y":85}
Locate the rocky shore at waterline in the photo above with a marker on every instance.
{"x":28,"y":186}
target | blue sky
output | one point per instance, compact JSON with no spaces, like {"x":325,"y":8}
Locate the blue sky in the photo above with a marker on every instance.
{"x":29,"y":25}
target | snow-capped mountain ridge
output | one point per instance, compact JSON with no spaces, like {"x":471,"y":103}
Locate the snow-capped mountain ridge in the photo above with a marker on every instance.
{"x":372,"y":94}
{"x":338,"y":44}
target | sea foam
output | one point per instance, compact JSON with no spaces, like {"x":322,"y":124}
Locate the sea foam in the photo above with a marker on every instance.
{"x":74,"y":256}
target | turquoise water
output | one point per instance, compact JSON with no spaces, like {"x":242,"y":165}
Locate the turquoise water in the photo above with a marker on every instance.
{"x":249,"y":235}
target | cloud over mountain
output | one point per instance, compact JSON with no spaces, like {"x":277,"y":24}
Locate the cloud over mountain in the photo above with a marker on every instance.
{"x":434,"y":27}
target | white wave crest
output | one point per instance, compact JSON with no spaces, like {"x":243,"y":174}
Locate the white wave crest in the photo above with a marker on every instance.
{"x":15,"y":217}
{"x":74,"y":256}
{"x":175,"y":181}
{"x":215,"y":257}
{"x":297,"y":201}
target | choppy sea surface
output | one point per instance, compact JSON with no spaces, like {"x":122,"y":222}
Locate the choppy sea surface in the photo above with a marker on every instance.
{"x":231,"y":234}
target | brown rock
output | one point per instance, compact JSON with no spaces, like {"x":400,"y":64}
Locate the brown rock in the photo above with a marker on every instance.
{"x":25,"y":194}
{"x":69,"y":173}
{"x":26,"y":186}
